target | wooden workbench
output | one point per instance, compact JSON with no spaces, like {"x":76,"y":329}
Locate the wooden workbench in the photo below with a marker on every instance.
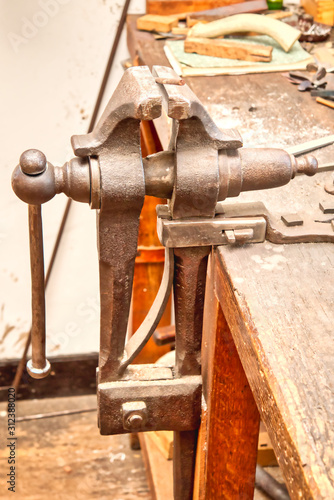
{"x":274,"y":301}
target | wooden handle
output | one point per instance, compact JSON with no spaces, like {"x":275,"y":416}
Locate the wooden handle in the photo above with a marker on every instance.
{"x":326,"y":102}
{"x":284,"y":34}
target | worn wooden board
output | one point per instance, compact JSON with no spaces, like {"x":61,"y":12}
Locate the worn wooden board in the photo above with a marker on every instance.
{"x":164,"y":441}
{"x":282,"y":325}
{"x":156,"y":23}
{"x":229,"y":10}
{"x":159,"y":471}
{"x":166,"y":7}
{"x":227,"y":451}
{"x":66,"y":457}
{"x":267,"y":110}
{"x":228,"y":50}
{"x":278,"y":300}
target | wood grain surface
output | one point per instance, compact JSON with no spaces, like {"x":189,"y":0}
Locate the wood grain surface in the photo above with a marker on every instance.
{"x":228,"y":50}
{"x":277,"y":299}
{"x":166,"y":7}
{"x":227,"y":449}
{"x":156,"y":23}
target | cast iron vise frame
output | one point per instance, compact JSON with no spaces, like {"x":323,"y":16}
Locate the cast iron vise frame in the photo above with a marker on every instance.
{"x":202,"y":167}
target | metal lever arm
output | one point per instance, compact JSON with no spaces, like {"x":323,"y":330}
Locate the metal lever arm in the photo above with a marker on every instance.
{"x":36,"y":181}
{"x":38,"y":366}
{"x":33,"y":163}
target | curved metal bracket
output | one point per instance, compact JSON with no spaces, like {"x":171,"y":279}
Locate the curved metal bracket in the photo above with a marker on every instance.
{"x":146,"y":329}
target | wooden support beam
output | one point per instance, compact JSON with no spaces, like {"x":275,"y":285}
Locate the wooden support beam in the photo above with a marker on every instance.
{"x":227,"y":451}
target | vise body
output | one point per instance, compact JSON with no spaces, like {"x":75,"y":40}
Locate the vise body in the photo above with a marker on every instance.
{"x":201,"y":168}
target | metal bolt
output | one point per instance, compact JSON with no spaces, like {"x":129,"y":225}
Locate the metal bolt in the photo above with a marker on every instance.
{"x":135,"y":421}
{"x":33,"y":162}
{"x":134,"y":415}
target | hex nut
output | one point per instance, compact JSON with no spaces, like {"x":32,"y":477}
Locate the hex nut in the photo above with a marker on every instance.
{"x":134,"y":415}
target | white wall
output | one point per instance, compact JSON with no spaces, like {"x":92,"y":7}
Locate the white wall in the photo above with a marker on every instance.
{"x":52,"y":54}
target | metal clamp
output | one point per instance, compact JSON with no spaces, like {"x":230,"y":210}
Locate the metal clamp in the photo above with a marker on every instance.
{"x":202,"y":167}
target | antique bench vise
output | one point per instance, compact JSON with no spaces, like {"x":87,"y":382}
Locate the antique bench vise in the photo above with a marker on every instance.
{"x":202,"y":166}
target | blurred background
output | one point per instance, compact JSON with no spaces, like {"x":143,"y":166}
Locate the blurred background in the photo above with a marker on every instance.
{"x":53,"y":55}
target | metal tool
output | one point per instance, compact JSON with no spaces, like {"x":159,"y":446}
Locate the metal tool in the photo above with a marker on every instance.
{"x":329,"y":94}
{"x":307,"y":82}
{"x":202,"y":166}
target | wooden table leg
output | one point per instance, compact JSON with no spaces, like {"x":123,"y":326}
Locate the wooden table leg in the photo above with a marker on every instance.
{"x":227,"y":445}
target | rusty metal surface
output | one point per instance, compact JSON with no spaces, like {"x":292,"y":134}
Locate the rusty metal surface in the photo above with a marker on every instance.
{"x":267,"y":483}
{"x":38,"y":366}
{"x":171,"y":402}
{"x":182,"y":104}
{"x":276,"y":230}
{"x":203,"y":165}
{"x":213,"y":232}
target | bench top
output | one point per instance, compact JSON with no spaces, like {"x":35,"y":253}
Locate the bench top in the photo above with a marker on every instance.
{"x":277,"y":299}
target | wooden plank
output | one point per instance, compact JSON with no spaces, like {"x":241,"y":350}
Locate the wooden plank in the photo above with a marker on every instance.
{"x":156,"y":23}
{"x":167,"y":7}
{"x":280,"y":14}
{"x":180,"y":31}
{"x":265,"y":453}
{"x":288,"y":364}
{"x":164,"y":441}
{"x":229,"y":10}
{"x":230,"y":451}
{"x":228,"y":50}
{"x":159,"y":471}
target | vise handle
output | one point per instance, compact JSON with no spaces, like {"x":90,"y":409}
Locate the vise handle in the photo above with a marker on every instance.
{"x":34,"y":163}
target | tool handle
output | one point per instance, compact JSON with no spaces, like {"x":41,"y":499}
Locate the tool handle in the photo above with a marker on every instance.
{"x":38,"y":366}
{"x":33,"y":181}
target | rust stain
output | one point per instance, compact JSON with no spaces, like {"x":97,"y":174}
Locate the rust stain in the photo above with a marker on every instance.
{"x":8,"y":329}
{"x":22,"y":338}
